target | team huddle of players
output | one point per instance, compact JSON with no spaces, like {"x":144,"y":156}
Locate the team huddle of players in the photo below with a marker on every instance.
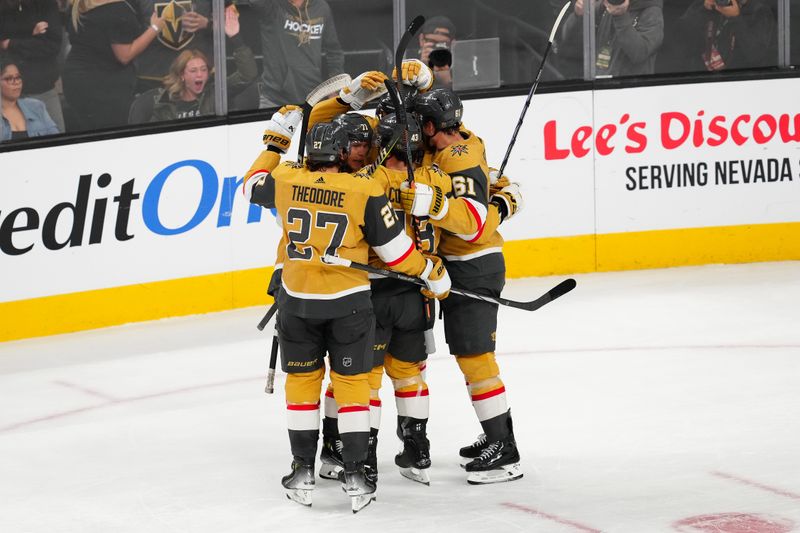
{"x":440,"y":226}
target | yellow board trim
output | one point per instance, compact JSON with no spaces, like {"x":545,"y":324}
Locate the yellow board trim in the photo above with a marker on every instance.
{"x":64,"y":313}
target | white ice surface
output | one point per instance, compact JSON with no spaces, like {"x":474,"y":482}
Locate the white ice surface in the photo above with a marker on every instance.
{"x":640,"y":399}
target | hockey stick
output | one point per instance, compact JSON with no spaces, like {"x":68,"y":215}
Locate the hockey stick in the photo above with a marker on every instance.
{"x":273,"y":356}
{"x":317,"y":94}
{"x":429,"y":306}
{"x":271,"y":311}
{"x":383,"y":153}
{"x":556,"y":292}
{"x":411,"y":30}
{"x":273,"y":360}
{"x":533,"y":88}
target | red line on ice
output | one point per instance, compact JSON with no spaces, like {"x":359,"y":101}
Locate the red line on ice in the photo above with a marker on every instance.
{"x":554,"y":518}
{"x":110,"y":402}
{"x":87,"y":390}
{"x":757,"y":485}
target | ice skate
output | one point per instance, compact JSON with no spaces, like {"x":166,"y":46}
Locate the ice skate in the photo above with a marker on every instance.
{"x":414,"y":459}
{"x":299,"y":484}
{"x":331,"y":458}
{"x":498,"y":462}
{"x":473,"y":451}
{"x":360,"y":489}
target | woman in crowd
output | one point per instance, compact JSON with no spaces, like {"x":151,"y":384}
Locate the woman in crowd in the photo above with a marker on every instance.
{"x":22,"y":117}
{"x":187,"y":90}
{"x":31,"y":31}
{"x":99,"y":75}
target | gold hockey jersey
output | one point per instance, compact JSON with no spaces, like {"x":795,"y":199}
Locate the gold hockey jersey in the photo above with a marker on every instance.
{"x":337,"y":214}
{"x":480,"y":251}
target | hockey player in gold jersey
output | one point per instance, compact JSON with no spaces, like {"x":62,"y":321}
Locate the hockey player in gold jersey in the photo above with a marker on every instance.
{"x":327,"y":309}
{"x":475,"y":261}
{"x":401,"y":318}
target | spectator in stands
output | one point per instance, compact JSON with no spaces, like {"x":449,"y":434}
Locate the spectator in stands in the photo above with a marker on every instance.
{"x":21,"y":117}
{"x":295,"y":35}
{"x":187,"y":91}
{"x":435,"y":49}
{"x":99,"y":76}
{"x":31,"y":31}
{"x":187,"y":25}
{"x":728,"y":34}
{"x":628,"y":35}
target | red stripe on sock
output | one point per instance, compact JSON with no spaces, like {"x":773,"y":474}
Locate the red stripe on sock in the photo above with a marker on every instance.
{"x":302,"y":406}
{"x":486,"y":395}
{"x":329,"y":393}
{"x":410,"y":393}
{"x":353,"y":409}
{"x":375,"y":403}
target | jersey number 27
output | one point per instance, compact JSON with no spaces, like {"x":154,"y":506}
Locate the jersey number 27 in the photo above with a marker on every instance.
{"x":339,"y":221}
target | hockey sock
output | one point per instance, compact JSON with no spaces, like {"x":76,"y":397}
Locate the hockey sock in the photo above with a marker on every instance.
{"x":302,"y":411}
{"x":352,"y":396}
{"x":329,"y":423}
{"x":410,"y":389}
{"x":487,"y":392}
{"x":375,"y":378}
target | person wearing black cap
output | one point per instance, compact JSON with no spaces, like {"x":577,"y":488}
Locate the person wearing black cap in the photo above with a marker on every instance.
{"x":435,"y":48}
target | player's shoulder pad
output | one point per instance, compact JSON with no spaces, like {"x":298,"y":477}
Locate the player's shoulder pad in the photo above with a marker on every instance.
{"x":468,"y":153}
{"x":433,"y":175}
{"x":362,"y":174}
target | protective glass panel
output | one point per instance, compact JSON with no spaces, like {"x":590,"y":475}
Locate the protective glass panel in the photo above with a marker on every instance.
{"x":299,"y":44}
{"x":718,"y":35}
{"x":481,"y":44}
{"x":794,"y":35}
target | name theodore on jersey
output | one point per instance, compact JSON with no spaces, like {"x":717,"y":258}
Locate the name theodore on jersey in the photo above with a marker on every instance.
{"x":315,"y":195}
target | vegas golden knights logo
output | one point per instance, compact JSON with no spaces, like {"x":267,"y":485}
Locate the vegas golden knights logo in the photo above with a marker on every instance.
{"x":172,"y":35}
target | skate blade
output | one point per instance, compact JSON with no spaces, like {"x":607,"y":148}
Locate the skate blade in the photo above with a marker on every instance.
{"x":416,"y":474}
{"x":329,"y":471}
{"x":498,"y":475}
{"x":360,"y":501}
{"x":301,"y":496}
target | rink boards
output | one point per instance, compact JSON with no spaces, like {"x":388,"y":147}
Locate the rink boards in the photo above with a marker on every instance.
{"x":111,"y":232}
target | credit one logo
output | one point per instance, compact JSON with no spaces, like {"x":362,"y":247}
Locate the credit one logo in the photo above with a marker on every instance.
{"x":23,"y":228}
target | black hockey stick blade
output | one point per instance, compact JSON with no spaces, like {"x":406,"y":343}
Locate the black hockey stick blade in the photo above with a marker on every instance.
{"x":559,"y":290}
{"x":267,"y":317}
{"x":556,"y":292}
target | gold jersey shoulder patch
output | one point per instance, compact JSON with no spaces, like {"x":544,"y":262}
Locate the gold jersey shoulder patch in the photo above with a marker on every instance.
{"x":459,"y":150}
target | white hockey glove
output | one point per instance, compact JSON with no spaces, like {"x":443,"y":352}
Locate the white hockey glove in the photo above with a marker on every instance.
{"x":415,"y":73}
{"x":365,"y":88}
{"x":496,"y":181}
{"x":422,"y":200}
{"x":281,"y":127}
{"x":436,"y":278}
{"x":508,"y":201}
